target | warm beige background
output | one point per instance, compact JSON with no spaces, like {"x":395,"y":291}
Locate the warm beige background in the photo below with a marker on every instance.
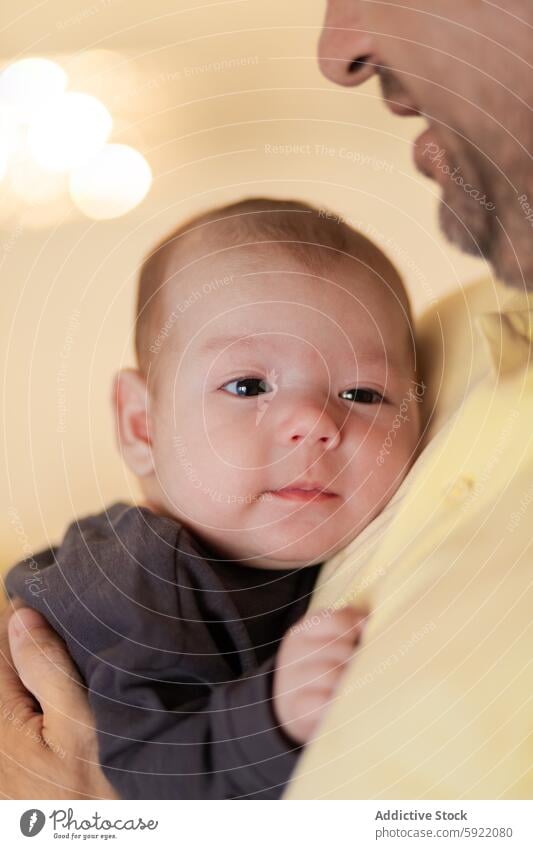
{"x":203,"y":92}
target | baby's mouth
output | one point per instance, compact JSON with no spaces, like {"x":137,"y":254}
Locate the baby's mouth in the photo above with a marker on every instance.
{"x":304,"y":493}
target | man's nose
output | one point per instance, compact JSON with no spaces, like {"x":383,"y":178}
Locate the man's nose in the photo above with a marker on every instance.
{"x":309,"y":422}
{"x":346,"y":53}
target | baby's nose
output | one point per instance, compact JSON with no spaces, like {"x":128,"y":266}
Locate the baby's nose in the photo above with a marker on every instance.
{"x":311,"y":423}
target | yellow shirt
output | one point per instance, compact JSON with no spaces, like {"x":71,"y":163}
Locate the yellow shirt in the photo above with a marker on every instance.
{"x":438,"y":700}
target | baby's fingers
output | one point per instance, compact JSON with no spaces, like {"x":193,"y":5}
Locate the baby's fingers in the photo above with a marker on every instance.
{"x":307,"y":715}
{"x":332,"y":655}
{"x":326,"y":679}
{"x":346,"y":624}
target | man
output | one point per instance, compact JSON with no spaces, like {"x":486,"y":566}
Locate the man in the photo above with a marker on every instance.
{"x":437,"y":701}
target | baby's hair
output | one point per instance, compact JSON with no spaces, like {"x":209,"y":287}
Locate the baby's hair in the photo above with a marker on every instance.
{"x":315,"y":237}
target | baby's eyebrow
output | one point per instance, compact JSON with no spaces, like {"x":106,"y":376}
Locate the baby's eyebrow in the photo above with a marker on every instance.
{"x":219,"y":343}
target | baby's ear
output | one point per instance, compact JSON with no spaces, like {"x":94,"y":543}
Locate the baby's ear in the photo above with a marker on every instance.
{"x":130,"y":409}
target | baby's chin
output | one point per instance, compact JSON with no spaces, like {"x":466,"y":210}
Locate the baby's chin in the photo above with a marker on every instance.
{"x":292,"y":554}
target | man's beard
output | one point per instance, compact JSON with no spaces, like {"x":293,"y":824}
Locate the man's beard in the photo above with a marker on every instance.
{"x":466,"y":223}
{"x":489,"y":224}
{"x":498,"y":235}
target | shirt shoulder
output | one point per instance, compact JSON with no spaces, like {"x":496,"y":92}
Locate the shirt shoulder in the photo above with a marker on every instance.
{"x":451,"y":352}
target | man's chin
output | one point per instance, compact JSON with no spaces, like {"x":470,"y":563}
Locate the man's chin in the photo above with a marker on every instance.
{"x":509,"y":270}
{"x":476,"y":232}
{"x":467,"y":225}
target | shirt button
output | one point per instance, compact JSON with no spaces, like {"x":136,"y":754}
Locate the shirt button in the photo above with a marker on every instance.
{"x":461,"y":488}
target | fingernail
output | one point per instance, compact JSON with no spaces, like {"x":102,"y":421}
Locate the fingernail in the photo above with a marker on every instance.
{"x":23,"y":620}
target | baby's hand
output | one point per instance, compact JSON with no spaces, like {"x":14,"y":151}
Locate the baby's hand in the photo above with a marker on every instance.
{"x":309,"y":664}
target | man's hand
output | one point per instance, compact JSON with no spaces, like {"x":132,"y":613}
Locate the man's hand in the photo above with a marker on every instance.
{"x":309,"y":665}
{"x":48,"y":747}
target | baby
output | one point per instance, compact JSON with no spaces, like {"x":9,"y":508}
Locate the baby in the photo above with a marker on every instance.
{"x":275,"y":356}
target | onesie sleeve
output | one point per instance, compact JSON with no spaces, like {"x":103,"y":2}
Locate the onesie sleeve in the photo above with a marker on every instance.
{"x":179,"y":713}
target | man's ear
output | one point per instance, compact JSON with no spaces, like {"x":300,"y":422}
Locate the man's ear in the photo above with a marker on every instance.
{"x":130,"y":409}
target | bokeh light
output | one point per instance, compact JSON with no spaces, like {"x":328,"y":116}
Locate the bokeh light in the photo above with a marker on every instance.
{"x":111,"y":183}
{"x":33,"y":184}
{"x":54,"y":151}
{"x":30,"y":84}
{"x":12,"y":133}
{"x":68,"y":131}
{"x":4,"y":157}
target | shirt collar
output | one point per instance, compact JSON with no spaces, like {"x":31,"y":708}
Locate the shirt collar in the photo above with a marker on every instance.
{"x":508,"y":334}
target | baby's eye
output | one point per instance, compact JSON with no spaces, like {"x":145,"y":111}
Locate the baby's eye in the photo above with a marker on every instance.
{"x":247,"y":387}
{"x":362,"y":396}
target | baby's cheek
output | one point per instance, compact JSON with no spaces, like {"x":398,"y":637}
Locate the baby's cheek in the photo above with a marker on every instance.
{"x":395,"y":461}
{"x":237,"y":443}
{"x":386,"y":450}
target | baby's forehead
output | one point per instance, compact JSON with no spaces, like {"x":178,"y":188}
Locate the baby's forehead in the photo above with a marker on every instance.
{"x":253,"y":274}
{"x":208,"y":266}
{"x":245,"y":254}
{"x":301,"y":328}
{"x":266,"y":293}
{"x":234,"y":323}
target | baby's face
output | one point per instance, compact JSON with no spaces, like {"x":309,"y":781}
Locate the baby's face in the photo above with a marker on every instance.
{"x":284,"y":410}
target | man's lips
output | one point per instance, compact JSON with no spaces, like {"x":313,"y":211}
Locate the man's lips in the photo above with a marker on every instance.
{"x":430,"y":158}
{"x":424,"y":143}
{"x":405,"y":108}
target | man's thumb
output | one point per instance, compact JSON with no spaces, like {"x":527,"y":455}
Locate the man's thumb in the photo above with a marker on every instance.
{"x":47,"y":671}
